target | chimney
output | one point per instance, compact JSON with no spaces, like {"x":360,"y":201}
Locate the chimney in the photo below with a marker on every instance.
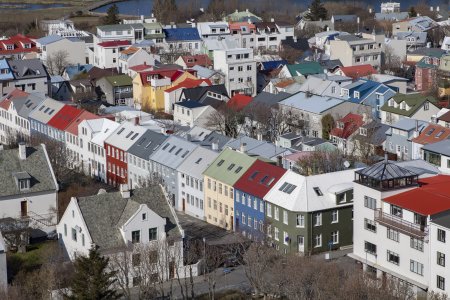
{"x":416,"y":132}
{"x":280,"y":161}
{"x":136,"y":120}
{"x":124,"y":191}
{"x":259,"y":136}
{"x":22,"y":151}
{"x":386,"y":159}
{"x":215,"y":146}
{"x":243,"y":148}
{"x":431,"y":8}
{"x":272,"y":20}
{"x":428,"y":44}
{"x":163,"y":131}
{"x":249,"y":21}
{"x":142,"y":18}
{"x":246,"y":10}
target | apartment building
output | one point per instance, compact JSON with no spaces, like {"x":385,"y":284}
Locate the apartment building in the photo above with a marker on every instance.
{"x":125,"y":32}
{"x":239,"y":68}
{"x":107,"y":54}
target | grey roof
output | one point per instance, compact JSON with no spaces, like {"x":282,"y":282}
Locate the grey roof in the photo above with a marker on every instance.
{"x":420,"y":36}
{"x":49,"y":39}
{"x":203,"y":72}
{"x":313,"y":103}
{"x":27,"y":68}
{"x":36,"y":166}
{"x":442,"y":218}
{"x":257,"y":148}
{"x":173,"y":152}
{"x":394,"y":16}
{"x":25,"y":105}
{"x":269,"y":98}
{"x":442,"y":147}
{"x":197,"y":162}
{"x":214,"y":136}
{"x":105,"y":213}
{"x":409,"y":124}
{"x":147,"y":144}
{"x":46,"y":110}
{"x":198,"y":92}
{"x":385,"y":170}
{"x":377,"y":132}
{"x":419,"y":166}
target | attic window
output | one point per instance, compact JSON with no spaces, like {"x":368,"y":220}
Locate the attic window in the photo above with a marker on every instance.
{"x":270,"y":181}
{"x":318,"y":191}
{"x":363,"y":131}
{"x":403,"y":105}
{"x":439,"y":134}
{"x":238,"y":170}
{"x":426,"y":106}
{"x":178,"y":151}
{"x":430,"y":131}
{"x":198,"y":160}
{"x":391,"y":102}
{"x":231,"y":167}
{"x":253,"y":175}
{"x":24,"y":184}
{"x":220,"y":162}
{"x":356,"y":94}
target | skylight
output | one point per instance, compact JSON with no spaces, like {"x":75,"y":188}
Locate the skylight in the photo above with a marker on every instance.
{"x":263,"y":179}
{"x":178,"y":151}
{"x":141,"y":141}
{"x":430,"y":131}
{"x":287,"y":188}
{"x":220,"y":162}
{"x":165,"y":146}
{"x":238,"y":170}
{"x":171,"y":149}
{"x":318,"y":191}
{"x":128,"y":135}
{"x":253,"y":175}
{"x":148,"y":145}
{"x":440,"y":133}
{"x":270,"y":181}
{"x":121,"y":130}
{"x":134,"y":136}
{"x":198,"y":160}
{"x":185,"y":153}
{"x":231,"y":167}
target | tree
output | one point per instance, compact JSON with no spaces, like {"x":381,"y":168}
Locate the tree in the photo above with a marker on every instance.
{"x":57,"y":62}
{"x":320,"y":162}
{"x":327,"y":124}
{"x":226,"y":121}
{"x":91,"y":278}
{"x":412,"y":12}
{"x":165,"y":11}
{"x":112,"y":16}
{"x":316,"y":11}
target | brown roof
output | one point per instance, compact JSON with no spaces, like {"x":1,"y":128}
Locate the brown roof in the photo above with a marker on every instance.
{"x":284,"y":83}
{"x":431,"y":134}
{"x":445,"y":117}
{"x":97,"y":73}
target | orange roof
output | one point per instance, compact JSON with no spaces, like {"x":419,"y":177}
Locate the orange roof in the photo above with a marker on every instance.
{"x":142,"y":67}
{"x":85,"y":115}
{"x":129,"y":50}
{"x":284,"y":83}
{"x":239,"y":101}
{"x":5,"y":104}
{"x":358,"y":71}
{"x":197,"y":60}
{"x":431,"y":134}
{"x":188,"y":83}
{"x":239,"y":25}
{"x":17,"y":93}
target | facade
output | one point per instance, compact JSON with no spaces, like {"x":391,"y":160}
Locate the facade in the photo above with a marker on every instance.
{"x":431,"y":134}
{"x":117,"y":89}
{"x":219,"y":179}
{"x":426,"y":69}
{"x":183,"y":40}
{"x":107,"y":54}
{"x":249,"y":192}
{"x":192,"y":113}
{"x":171,"y":95}
{"x":417,"y":24}
{"x":53,"y":45}
{"x":310,"y":214}
{"x":341,"y":135}
{"x":399,"y":137}
{"x":17,"y":47}
{"x":30,"y":76}
{"x":60,"y":121}
{"x":239,"y":68}
{"x":190,"y":181}
{"x":132,"y":33}
{"x":213,"y":30}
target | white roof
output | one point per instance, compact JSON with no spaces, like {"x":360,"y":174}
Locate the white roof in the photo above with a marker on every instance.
{"x":227,"y":42}
{"x":303,"y":197}
{"x":205,"y":27}
{"x":102,"y":128}
{"x":125,"y":135}
{"x":386,"y":78}
{"x":197,"y":162}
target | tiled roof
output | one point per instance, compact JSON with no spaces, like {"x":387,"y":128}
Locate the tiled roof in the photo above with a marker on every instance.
{"x":84,"y":115}
{"x":358,"y":71}
{"x":64,"y":117}
{"x":18,"y":43}
{"x":351,"y":123}
{"x":431,"y":134}
{"x":197,"y":60}
{"x":239,"y":102}
{"x":114,"y":44}
{"x":182,"y":34}
{"x":435,"y":190}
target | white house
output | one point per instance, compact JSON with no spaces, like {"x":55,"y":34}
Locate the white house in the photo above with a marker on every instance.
{"x":30,"y":75}
{"x":133,"y":56}
{"x":107,"y":54}
{"x":28,"y":186}
{"x":52,"y":45}
{"x":125,"y":32}
{"x":239,"y":68}
{"x":192,"y":113}
{"x":213,"y":30}
{"x":172,"y":94}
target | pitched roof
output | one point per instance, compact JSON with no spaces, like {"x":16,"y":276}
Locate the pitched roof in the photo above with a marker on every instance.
{"x":445,"y":117}
{"x":414,"y":102}
{"x":239,"y":102}
{"x":311,"y":103}
{"x":259,"y":178}
{"x":386,"y":170}
{"x":173,"y":152}
{"x":256,"y":147}
{"x":125,"y":136}
{"x":269,"y":99}
{"x":114,"y":44}
{"x":96,"y":73}
{"x":105,"y":213}
{"x":351,"y":123}
{"x":18,"y":43}
{"x":358,"y":71}
{"x":46,"y":110}
{"x":27,"y":68}
{"x":64,"y":117}
{"x":431,"y":134}
{"x":46,"y":40}
{"x":197,"y":60}
{"x":36,"y":165}
{"x":188,"y":83}
{"x":435,"y":190}
{"x":84,"y":115}
{"x":147,"y":144}
{"x":181,"y":34}
{"x":119,"y":80}
{"x":197,"y":162}
{"x":102,"y":128}
{"x":305,"y":68}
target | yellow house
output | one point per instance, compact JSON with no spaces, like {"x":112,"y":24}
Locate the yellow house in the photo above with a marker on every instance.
{"x":149,"y":86}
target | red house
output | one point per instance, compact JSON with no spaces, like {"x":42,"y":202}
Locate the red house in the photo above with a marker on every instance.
{"x":345,"y":127}
{"x":17,"y":46}
{"x":426,"y":69}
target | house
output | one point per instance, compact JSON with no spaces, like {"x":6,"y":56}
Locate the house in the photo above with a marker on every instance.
{"x":249,"y":193}
{"x":132,"y":33}
{"x":117,"y":145}
{"x":53,"y":45}
{"x":117,"y":89}
{"x":132,"y":223}
{"x":431,"y":134}
{"x":413,"y":106}
{"x":96,"y":73}
{"x":413,"y":39}
{"x":6,"y":76}
{"x":413,"y":57}
{"x":426,"y":68}
{"x":336,"y":19}
{"x":356,"y":72}
{"x":61,"y":89}
{"x":446,"y":43}
{"x":438,"y":154}
{"x":165,"y":160}
{"x":297,"y":142}
{"x":354,"y":50}
{"x":370,"y":139}
{"x":224,"y":43}
{"x":220,"y":177}
{"x":213,"y":30}
{"x":244,"y":33}
{"x":269,"y":35}
{"x":189,"y":61}
{"x":396,"y":83}
{"x":301,"y":69}
{"x":17,"y":47}
{"x":172,"y":94}
{"x":391,"y":224}
{"x":444,"y":76}
{"x":71,"y":72}
{"x":183,"y":40}
{"x":60,"y":121}
{"x":321,"y":40}
{"x":326,"y":86}
{"x":391,"y":16}
{"x":242,"y":16}
{"x":79,"y":87}
{"x":192,"y":113}
{"x":341,"y":134}
{"x":64,"y":28}
{"x":154,"y":32}
{"x":306,"y":111}
{"x":239,"y":68}
{"x":42,"y":114}
{"x":212,"y":95}
{"x":269,"y":100}
{"x":190,"y":181}
{"x":417,"y":24}
{"x":399,"y":137}
{"x":216,"y":77}
{"x":257,"y":148}
{"x":140,"y":168}
{"x":30,"y":75}
{"x":107,"y":54}
{"x":134,"y":56}
{"x":28,"y":186}
{"x":238,"y":102}
{"x":444,"y":119}
{"x":310,"y":214}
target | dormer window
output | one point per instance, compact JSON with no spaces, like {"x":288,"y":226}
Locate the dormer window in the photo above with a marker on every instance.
{"x":9,"y":47}
{"x":144,"y":217}
{"x":403,"y":105}
{"x":22,"y":180}
{"x":345,"y":92}
{"x":391,"y":102}
{"x":340,"y":125}
{"x":356,"y":95}
{"x":363,"y":131}
{"x":426,"y":106}
{"x":24,"y":184}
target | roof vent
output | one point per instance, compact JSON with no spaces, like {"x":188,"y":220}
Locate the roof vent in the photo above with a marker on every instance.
{"x":22,"y":151}
{"x":125,"y":191}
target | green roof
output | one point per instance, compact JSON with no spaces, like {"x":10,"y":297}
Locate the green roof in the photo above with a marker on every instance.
{"x":424,"y":65}
{"x":119,"y":80}
{"x":238,"y":16}
{"x":151,"y":26}
{"x":305,"y":68}
{"x":155,"y":36}
{"x":414,"y":101}
{"x":224,"y":167}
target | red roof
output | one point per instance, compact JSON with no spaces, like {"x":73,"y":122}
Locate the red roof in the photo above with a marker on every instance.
{"x":140,"y":68}
{"x":252,"y":182}
{"x":239,"y":101}
{"x":18,"y":43}
{"x":239,"y":25}
{"x":5,"y":104}
{"x":431,"y":134}
{"x":114,"y":43}
{"x":197,"y":60}
{"x":349,"y":124}
{"x":173,"y":74}
{"x":189,"y":83}
{"x":17,"y":93}
{"x":432,"y":197}
{"x":85,"y":115}
{"x":358,"y":71}
{"x":64,"y":117}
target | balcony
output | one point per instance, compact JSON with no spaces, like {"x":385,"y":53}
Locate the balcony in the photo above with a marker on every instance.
{"x":160,"y":82}
{"x":415,"y":230}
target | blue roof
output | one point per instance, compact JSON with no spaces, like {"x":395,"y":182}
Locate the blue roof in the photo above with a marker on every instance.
{"x":56,"y":79}
{"x":365,"y":89}
{"x":190,"y":104}
{"x":271,"y":65}
{"x":182,"y":34}
{"x":4,"y":65}
{"x":49,"y":39}
{"x":73,"y":70}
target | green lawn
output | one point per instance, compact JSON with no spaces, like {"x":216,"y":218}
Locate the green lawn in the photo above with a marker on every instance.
{"x":32,"y":259}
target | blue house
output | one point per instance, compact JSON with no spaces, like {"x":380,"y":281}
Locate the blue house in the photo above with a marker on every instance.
{"x":249,"y":192}
{"x":368,"y":92}
{"x":5,"y":74}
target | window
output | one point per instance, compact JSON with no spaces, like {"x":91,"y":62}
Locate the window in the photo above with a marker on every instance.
{"x":276,"y":213}
{"x":426,"y":106}
{"x":335,"y":216}
{"x":243,"y":218}
{"x":144,"y":216}
{"x":82,"y":239}
{"x":318,"y":240}
{"x":276,"y":233}
{"x":135,"y":236}
{"x":74,"y":234}
{"x":370,"y":225}
{"x":441,"y":235}
{"x":416,"y":267}
{"x":285,"y":238}
{"x":136,"y":259}
{"x":440,"y":259}
{"x":440,"y":282}
{"x":318,"y":191}
{"x":335,"y":237}
{"x":152,"y":234}
{"x":416,"y":244}
{"x":370,"y":248}
{"x":300,"y":220}
{"x":285,"y":217}
{"x":393,"y":257}
{"x":317,"y":219}
{"x":269,"y":210}
{"x":370,"y":202}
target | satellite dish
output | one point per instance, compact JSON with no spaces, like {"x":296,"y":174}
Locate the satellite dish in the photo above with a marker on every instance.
{"x":346,"y":164}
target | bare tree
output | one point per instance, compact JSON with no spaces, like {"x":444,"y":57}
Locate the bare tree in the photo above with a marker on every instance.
{"x":16,"y":233}
{"x":213,"y":259}
{"x":320,"y":161}
{"x":226,"y":121}
{"x":57,"y":62}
